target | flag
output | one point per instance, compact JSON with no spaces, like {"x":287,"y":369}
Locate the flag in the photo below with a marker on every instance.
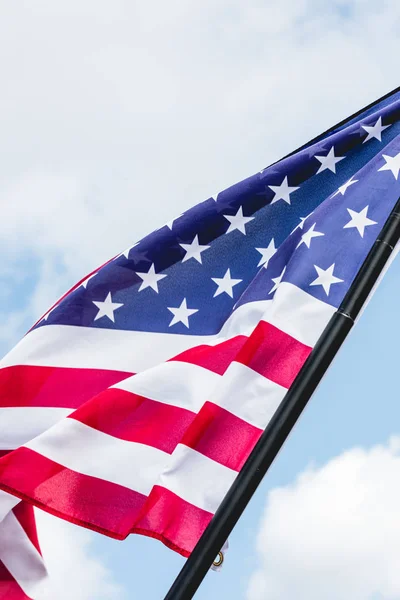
{"x":134,"y":402}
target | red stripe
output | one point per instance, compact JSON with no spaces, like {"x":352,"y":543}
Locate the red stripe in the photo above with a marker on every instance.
{"x":105,"y":507}
{"x":9,"y":588}
{"x":5,"y":575}
{"x":268,"y":350}
{"x":177,"y":523}
{"x":214,"y":432}
{"x":26,"y":517}
{"x":133,"y":418}
{"x":53,"y":386}
{"x":94,"y":503}
{"x":274,"y":354}
{"x":216,"y":358}
{"x":221,"y":436}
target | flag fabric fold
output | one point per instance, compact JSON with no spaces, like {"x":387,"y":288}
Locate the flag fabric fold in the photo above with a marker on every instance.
{"x":131,"y":406}
{"x":23,"y":574}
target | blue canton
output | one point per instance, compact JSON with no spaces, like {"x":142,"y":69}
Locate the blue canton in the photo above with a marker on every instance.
{"x":309,"y":219}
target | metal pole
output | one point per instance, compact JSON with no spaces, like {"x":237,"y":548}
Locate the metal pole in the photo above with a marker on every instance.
{"x":276,"y":432}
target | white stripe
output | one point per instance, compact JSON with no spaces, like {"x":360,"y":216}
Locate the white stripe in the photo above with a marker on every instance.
{"x":90,"y":452}
{"x":18,"y":424}
{"x":131,"y":351}
{"x":298,"y":314}
{"x":22,"y":559}
{"x":243,"y":320}
{"x":7,"y":503}
{"x":248,"y":395}
{"x":292,"y":310}
{"x":91,"y":348}
{"x":242,"y":391}
{"x":196,"y":478}
{"x":176,"y":383}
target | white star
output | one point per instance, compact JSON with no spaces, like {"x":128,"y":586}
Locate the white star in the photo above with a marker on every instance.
{"x":182,"y":313}
{"x":266,"y":253}
{"x":225,"y":284}
{"x":342,"y":189}
{"x":193,"y":250}
{"x":170,"y":224}
{"x":238,"y":221}
{"x":375,"y":131}
{"x":392,"y":164}
{"x":126,"y":252}
{"x":86,"y":281}
{"x":282,"y":191}
{"x":329,"y":161}
{"x":277,"y":281}
{"x":46,"y":316}
{"x":359,"y":220}
{"x":302,"y":221}
{"x":326,"y":278}
{"x":150,"y":279}
{"x":106,"y":308}
{"x":308,"y":236}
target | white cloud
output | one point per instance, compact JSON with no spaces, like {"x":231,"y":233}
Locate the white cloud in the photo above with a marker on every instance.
{"x":116,"y":116}
{"x":74,"y":570}
{"x":335,"y":532}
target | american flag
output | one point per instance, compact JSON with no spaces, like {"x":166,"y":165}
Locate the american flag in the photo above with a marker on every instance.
{"x":131,"y":406}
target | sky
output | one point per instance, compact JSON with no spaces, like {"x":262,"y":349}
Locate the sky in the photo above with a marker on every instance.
{"x":114,"y":118}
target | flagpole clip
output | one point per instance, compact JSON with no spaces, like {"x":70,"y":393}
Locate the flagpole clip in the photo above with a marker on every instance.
{"x":219,"y":560}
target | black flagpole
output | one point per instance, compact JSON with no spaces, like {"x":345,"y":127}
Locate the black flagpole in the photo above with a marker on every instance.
{"x":276,"y":432}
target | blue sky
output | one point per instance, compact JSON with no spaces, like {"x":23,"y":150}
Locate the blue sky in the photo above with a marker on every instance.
{"x":116,"y":117}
